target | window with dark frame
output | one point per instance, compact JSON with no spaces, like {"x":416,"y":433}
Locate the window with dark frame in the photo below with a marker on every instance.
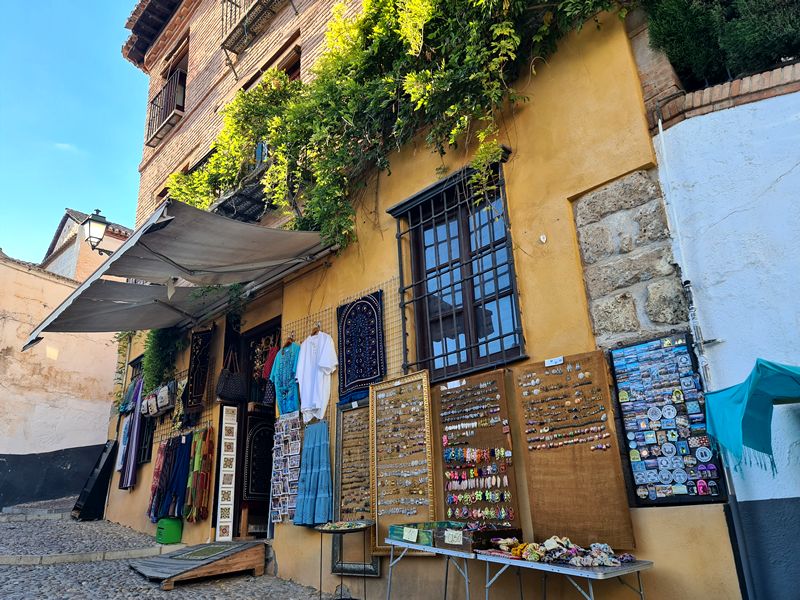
{"x":148,"y":425}
{"x":462,"y":289}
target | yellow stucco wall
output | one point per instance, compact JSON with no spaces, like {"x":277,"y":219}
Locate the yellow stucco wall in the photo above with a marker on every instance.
{"x":582,"y":127}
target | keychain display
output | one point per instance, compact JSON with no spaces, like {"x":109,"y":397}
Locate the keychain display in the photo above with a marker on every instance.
{"x":475,"y":437}
{"x":671,"y":457}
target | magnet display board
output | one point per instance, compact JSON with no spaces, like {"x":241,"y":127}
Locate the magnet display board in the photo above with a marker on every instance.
{"x":573,"y":467}
{"x":401,"y":468}
{"x":670,"y":456}
{"x":473,"y":431}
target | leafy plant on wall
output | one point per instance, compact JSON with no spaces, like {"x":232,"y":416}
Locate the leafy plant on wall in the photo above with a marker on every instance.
{"x":161,"y":348}
{"x":440,"y":67}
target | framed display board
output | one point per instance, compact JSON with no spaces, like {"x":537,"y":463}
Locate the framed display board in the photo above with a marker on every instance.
{"x":573,"y":467}
{"x":351,"y":478}
{"x":401,"y":467}
{"x":474,"y":436}
{"x":670,"y":457}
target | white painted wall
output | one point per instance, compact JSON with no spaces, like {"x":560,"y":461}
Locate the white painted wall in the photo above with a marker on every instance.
{"x":732,"y":179}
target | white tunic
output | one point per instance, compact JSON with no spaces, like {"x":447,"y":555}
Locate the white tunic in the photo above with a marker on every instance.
{"x":314,"y":367}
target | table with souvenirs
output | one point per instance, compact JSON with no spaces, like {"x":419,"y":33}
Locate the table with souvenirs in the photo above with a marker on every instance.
{"x":562,"y":557}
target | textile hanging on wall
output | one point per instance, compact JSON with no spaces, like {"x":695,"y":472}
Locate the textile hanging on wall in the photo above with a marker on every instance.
{"x":128,"y":478}
{"x":125,"y":431}
{"x":284,"y":376}
{"x":315,"y":364}
{"x":175,"y":490}
{"x":157,"y":468}
{"x":574,"y":474}
{"x":269,"y":386}
{"x":199,"y":481}
{"x":314,"y":498}
{"x":158,"y":488}
{"x":362,"y":348}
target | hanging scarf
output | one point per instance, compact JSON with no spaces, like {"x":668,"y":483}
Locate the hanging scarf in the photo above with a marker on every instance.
{"x":198,"y":483}
{"x":128,"y":478}
{"x":157,"y":468}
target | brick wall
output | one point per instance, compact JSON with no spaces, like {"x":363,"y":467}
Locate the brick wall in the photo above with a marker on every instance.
{"x":211,"y":83}
{"x":663,"y":94}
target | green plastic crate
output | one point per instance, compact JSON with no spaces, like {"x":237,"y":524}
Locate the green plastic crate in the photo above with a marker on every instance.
{"x":169,"y":530}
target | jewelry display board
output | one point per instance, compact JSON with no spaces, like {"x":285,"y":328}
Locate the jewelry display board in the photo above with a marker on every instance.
{"x":351,"y":478}
{"x":572,"y":460}
{"x":475,"y":437}
{"x":401,"y":467}
{"x":671,"y":458}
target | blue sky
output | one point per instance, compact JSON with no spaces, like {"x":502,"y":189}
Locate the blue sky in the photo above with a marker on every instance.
{"x":72,"y":114}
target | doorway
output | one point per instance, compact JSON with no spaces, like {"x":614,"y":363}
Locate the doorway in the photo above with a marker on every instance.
{"x":256,"y":426}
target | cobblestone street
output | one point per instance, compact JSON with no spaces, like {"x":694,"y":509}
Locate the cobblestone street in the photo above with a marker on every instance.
{"x":110,"y":580}
{"x":44,"y":532}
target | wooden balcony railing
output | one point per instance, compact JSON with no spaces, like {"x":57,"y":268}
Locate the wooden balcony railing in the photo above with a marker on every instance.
{"x":166,"y":108}
{"x":244,"y":20}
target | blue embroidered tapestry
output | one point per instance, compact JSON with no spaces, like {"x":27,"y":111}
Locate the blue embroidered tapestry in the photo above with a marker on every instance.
{"x":362,"y":353}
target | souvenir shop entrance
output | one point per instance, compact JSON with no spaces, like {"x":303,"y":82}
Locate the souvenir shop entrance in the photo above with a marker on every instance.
{"x":256,"y":351}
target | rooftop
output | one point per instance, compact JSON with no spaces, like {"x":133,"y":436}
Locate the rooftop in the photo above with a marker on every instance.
{"x":148,"y":19}
{"x":79,"y":217}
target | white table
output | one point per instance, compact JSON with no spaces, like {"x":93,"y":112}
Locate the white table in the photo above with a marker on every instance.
{"x":568,"y":571}
{"x":450,"y":556}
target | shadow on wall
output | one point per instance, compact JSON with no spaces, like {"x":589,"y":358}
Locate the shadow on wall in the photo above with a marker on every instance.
{"x":45,"y":476}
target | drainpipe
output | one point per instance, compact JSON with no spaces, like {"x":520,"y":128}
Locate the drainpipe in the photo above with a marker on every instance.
{"x":699,"y":343}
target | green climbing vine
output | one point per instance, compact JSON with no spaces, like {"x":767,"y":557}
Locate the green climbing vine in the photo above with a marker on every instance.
{"x":442,"y":67}
{"x":161,"y":348}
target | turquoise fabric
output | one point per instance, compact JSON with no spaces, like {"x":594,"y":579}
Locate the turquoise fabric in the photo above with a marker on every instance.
{"x":740,"y":417}
{"x":284,"y":377}
{"x":314,"y":498}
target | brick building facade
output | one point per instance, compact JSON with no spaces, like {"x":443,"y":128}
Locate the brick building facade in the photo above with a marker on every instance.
{"x":214,"y":76}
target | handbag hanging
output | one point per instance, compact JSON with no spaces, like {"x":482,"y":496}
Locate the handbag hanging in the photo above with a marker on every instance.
{"x":231,"y":386}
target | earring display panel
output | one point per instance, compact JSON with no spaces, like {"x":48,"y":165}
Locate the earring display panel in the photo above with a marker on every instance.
{"x":475,"y":438}
{"x":352,"y":501}
{"x":401,"y":471}
{"x":672,"y":459}
{"x":572,"y":456}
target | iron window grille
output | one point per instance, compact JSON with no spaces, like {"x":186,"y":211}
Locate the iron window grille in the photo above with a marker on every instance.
{"x":462,"y":291}
{"x":145,"y":453}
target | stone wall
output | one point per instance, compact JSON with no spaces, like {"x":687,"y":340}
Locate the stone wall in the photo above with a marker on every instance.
{"x":633,"y":284}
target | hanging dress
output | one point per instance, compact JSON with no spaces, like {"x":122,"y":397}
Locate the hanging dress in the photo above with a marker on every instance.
{"x":284,"y":376}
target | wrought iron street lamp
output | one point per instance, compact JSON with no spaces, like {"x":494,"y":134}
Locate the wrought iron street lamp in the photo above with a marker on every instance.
{"x":94,"y":229}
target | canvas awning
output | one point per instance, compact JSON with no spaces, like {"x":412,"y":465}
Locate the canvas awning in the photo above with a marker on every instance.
{"x":741,"y":415}
{"x":177,"y":247}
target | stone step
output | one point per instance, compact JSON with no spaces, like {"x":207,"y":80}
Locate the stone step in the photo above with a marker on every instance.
{"x":78,"y":557}
{"x":22,"y":517}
